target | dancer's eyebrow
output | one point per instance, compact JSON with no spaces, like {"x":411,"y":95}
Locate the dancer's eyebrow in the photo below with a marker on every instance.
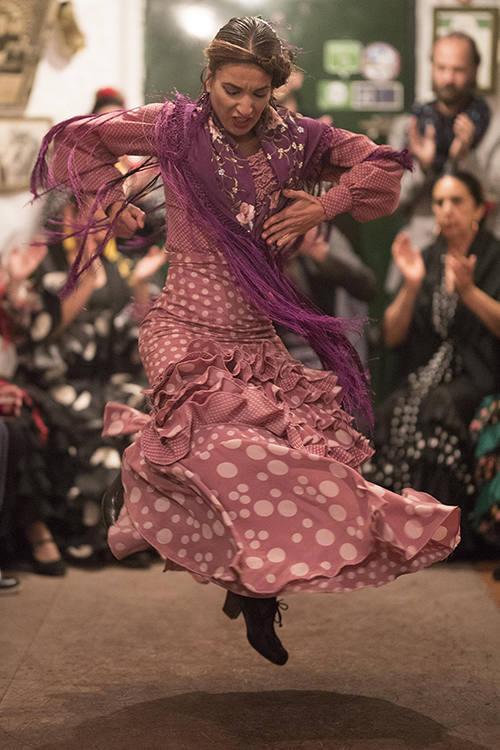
{"x":261,"y":89}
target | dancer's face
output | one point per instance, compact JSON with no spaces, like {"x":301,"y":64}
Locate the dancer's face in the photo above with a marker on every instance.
{"x":455,"y":209}
{"x":239,"y":94}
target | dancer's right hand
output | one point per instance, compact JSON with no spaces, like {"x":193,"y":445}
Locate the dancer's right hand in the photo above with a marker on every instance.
{"x":130,"y":220}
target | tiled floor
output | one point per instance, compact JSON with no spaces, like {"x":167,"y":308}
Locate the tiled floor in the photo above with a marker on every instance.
{"x":141,"y":660}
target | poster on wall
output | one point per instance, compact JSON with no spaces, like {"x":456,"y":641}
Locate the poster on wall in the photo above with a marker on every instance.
{"x":22,"y":25}
{"x":364,"y":77}
{"x":20,"y":139}
{"x":482,"y":25}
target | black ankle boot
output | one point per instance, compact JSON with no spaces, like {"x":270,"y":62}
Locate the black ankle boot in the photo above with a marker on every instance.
{"x":112,"y":502}
{"x":260,"y":616}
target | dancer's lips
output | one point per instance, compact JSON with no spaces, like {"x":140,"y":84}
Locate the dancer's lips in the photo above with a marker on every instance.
{"x":241,"y":123}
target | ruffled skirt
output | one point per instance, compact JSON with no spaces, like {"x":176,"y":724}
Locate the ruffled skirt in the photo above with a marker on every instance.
{"x":246,"y":475}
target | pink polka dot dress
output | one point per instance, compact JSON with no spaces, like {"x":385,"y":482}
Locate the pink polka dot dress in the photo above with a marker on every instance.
{"x":246,"y":472}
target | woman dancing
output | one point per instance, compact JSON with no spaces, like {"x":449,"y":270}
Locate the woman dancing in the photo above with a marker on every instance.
{"x":246,"y":473}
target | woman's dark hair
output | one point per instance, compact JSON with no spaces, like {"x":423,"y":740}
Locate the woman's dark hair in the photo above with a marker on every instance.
{"x":471,"y":183}
{"x":250,"y":40}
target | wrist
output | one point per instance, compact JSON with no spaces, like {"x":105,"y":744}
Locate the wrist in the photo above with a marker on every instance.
{"x":137,"y":283}
{"x":413,"y":285}
{"x":337,"y":200}
{"x":467,"y":293}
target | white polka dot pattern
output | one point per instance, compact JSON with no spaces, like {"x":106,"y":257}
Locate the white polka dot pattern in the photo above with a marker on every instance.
{"x":246,"y":472}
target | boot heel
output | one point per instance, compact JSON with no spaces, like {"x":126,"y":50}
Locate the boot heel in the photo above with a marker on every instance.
{"x":112,"y":502}
{"x":232,"y":606}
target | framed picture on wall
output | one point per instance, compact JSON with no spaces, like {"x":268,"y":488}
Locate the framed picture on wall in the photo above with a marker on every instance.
{"x":22,"y":27}
{"x":20,"y":139}
{"x":480,"y":23}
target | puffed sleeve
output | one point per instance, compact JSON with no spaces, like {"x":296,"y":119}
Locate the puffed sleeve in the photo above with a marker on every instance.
{"x":85,"y":151}
{"x":367,"y":177}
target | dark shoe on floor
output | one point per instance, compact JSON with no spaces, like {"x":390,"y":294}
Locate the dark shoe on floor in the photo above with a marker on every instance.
{"x":49,"y":567}
{"x":9,"y":585}
{"x":138,"y":560}
{"x":112,"y":502}
{"x":260,"y":616}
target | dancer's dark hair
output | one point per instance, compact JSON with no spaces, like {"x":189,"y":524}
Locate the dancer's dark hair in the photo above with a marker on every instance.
{"x":250,"y":40}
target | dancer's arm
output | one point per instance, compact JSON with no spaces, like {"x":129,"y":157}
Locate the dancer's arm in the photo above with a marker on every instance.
{"x":368,"y":184}
{"x":368,"y":178}
{"x":86,"y":149}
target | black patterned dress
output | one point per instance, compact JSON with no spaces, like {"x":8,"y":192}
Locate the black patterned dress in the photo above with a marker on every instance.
{"x":71,"y":376}
{"x":451,"y":362}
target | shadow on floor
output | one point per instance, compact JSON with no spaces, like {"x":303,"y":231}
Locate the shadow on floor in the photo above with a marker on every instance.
{"x":288,"y":720}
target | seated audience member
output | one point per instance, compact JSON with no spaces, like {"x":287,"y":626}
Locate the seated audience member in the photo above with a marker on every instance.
{"x":107,"y":99}
{"x":485,"y":432}
{"x":79,"y":353}
{"x":330,"y":273}
{"x":452,"y":131}
{"x":26,"y":513}
{"x":445,"y":321}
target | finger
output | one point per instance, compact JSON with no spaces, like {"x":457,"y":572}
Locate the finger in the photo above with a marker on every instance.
{"x":462,"y":130}
{"x":139,"y":216}
{"x":278,"y":236}
{"x":287,"y":239}
{"x":413,"y":129}
{"x":278,"y":232}
{"x":128,"y":222}
{"x":277,"y":226}
{"x":295,"y":194}
{"x":283,"y":214}
{"x":430,"y":131}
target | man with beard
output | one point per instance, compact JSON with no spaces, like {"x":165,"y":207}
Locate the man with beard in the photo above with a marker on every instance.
{"x":452,"y":130}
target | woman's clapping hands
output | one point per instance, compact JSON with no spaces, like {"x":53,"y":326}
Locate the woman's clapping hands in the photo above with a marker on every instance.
{"x":408,"y":259}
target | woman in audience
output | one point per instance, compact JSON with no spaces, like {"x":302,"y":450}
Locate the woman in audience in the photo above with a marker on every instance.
{"x":78,"y":354}
{"x":26,"y":511}
{"x":445,"y":320}
{"x":485,"y":433}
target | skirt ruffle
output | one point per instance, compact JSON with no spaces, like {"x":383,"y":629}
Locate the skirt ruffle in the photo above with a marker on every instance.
{"x":245,"y":474}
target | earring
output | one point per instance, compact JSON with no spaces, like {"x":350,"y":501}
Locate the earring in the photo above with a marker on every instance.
{"x":203,"y":101}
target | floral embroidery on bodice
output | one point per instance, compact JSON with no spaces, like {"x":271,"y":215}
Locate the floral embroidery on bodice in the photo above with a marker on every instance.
{"x":264,"y":180}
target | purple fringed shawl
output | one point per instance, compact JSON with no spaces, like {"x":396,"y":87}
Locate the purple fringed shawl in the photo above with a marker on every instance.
{"x":202,"y":169}
{"x":200,"y":165}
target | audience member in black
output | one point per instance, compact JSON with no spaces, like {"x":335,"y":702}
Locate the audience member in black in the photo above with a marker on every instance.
{"x":80,"y":353}
{"x":329,"y":272}
{"x":445,"y":320}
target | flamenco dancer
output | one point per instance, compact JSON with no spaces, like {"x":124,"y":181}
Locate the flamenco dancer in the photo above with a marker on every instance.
{"x":245,"y":473}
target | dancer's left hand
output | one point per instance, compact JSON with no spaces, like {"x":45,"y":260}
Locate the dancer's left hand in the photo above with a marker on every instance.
{"x":295,"y":220}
